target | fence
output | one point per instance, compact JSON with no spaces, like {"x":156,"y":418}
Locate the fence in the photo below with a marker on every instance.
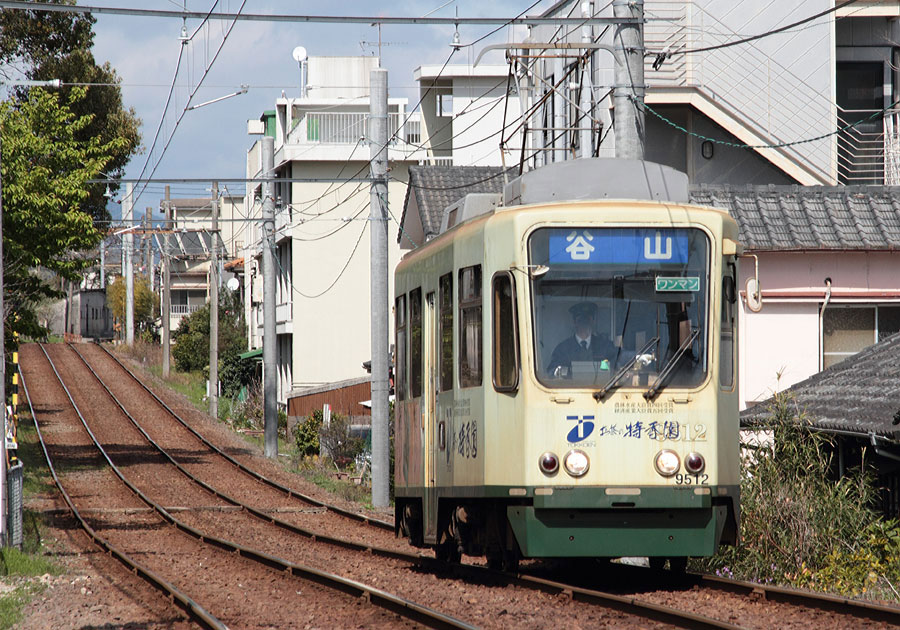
{"x":15,"y":483}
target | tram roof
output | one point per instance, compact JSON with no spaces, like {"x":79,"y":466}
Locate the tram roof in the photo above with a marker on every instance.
{"x":860,"y":395}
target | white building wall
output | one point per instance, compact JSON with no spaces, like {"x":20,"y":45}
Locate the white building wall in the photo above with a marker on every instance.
{"x":331,"y":288}
{"x":478,"y":113}
{"x":779,"y":346}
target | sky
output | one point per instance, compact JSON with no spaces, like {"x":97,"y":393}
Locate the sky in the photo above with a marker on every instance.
{"x":211,"y":141}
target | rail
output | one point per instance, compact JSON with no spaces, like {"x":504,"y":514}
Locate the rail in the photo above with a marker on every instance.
{"x":194,"y":610}
{"x":403,"y":607}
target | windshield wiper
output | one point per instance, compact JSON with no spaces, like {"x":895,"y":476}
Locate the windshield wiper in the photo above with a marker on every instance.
{"x":669,"y":366}
{"x":603,"y":391}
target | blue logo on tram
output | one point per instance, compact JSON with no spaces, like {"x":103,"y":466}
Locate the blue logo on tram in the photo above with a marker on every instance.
{"x":582,"y":430}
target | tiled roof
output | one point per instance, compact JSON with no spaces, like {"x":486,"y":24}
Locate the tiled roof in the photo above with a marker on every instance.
{"x":860,"y":394}
{"x":436,"y":187}
{"x":779,"y":218}
{"x":771,"y":218}
{"x":193,"y":244}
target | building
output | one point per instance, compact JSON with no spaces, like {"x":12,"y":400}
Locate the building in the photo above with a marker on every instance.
{"x":322,"y":207}
{"x":865,"y":427}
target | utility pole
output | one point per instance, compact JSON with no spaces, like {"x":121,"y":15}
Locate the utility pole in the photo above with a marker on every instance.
{"x":587,"y":91}
{"x":145,"y":241}
{"x":629,"y":80}
{"x":103,"y":264}
{"x":214,"y":306}
{"x":270,"y":387}
{"x":166,"y":309}
{"x":128,"y":216}
{"x":378,"y":228}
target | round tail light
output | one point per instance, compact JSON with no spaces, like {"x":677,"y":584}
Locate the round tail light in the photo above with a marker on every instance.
{"x":576,"y":463}
{"x":666,"y":462}
{"x":548,"y":463}
{"x":694,"y":463}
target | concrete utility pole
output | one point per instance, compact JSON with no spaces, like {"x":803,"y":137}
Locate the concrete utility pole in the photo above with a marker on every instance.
{"x":629,"y":81}
{"x":166,"y":310}
{"x":103,"y":264}
{"x":214,"y":306}
{"x":378,"y":229}
{"x":145,"y":242}
{"x":270,"y":387}
{"x":128,"y":217}
{"x":587,"y":90}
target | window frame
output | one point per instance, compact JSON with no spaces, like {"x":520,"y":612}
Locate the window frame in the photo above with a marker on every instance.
{"x":401,"y":363}
{"x":445,"y":372}
{"x":513,"y":327}
{"x":416,"y":350}
{"x":464,"y":305}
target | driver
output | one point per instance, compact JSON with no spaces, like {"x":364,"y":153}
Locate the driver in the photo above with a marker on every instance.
{"x":583,"y":344}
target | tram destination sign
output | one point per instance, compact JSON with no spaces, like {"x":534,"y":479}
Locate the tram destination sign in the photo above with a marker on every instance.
{"x":619,"y":246}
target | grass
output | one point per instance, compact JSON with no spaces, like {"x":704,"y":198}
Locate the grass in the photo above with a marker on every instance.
{"x":23,"y":566}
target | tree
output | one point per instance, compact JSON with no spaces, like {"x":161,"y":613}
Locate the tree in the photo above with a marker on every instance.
{"x":146,"y":303}
{"x":191,"y":350}
{"x":46,"y":45}
{"x":45,"y":167}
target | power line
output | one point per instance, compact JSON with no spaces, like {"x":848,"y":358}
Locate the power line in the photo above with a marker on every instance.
{"x":297,"y":18}
{"x":775,"y":31}
{"x":777,"y":145}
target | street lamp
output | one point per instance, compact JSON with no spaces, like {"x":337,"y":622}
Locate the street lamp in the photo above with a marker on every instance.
{"x":4,"y":504}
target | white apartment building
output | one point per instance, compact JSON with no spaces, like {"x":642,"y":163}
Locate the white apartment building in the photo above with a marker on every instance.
{"x":322,"y":235}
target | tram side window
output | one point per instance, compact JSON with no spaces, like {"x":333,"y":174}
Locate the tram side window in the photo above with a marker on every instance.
{"x":726,"y":341}
{"x":400,"y":348}
{"x":446,"y":332}
{"x":470,"y":326}
{"x":506,"y":352}
{"x":415,"y":343}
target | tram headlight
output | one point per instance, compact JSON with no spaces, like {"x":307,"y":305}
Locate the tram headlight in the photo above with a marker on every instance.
{"x":548,"y":463}
{"x":694,"y":463}
{"x":576,"y":463}
{"x":666,"y":462}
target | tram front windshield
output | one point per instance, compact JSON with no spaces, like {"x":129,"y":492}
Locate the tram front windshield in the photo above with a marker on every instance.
{"x":619,"y":307}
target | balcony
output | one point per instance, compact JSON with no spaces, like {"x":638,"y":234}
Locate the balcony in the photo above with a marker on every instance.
{"x":183,"y":310}
{"x":349,"y":128}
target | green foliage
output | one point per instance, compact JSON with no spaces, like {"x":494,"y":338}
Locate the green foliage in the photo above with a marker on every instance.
{"x":306,"y":434}
{"x":45,"y":167}
{"x":191,"y":349}
{"x":46,"y":45}
{"x":146,"y":302}
{"x":336,"y":441}
{"x":235,"y":373}
{"x":799,"y":526}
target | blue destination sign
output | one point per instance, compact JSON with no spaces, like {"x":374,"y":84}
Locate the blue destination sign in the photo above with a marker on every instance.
{"x":619,"y":246}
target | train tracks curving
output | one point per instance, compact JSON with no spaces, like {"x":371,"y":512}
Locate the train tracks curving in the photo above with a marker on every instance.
{"x":196,"y":489}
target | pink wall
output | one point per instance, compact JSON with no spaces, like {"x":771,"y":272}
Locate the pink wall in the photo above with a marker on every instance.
{"x":779,"y":345}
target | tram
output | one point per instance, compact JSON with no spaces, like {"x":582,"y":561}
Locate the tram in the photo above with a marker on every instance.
{"x":565,"y":372}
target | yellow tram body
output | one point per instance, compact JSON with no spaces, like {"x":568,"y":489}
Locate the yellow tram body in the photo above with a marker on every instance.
{"x":499,"y":453}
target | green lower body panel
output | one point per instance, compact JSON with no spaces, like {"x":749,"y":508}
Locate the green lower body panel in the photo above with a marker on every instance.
{"x":561,"y":533}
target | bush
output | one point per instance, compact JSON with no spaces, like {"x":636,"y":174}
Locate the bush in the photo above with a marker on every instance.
{"x":306,"y":434}
{"x":337,"y":443}
{"x":799,"y":526}
{"x":191,"y":338}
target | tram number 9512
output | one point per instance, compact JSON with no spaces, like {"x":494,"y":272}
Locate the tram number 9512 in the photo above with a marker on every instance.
{"x":688,"y":479}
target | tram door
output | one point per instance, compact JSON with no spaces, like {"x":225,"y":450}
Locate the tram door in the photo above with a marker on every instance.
{"x":429,"y":412}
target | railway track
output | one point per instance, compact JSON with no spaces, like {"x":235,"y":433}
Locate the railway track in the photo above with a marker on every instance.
{"x":561,"y":592}
{"x":332,"y":593}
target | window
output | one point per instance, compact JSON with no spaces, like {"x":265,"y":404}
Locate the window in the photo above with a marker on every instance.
{"x":505,"y":335}
{"x":628,"y":293}
{"x":847,"y":330}
{"x":726,"y":339}
{"x":444,"y":105}
{"x":446,"y":331}
{"x":400,"y":345}
{"x":415,"y":343}
{"x":470,"y":326}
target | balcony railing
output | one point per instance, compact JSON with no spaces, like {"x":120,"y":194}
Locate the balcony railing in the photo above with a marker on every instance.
{"x":181,"y":310}
{"x":350,"y":128}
